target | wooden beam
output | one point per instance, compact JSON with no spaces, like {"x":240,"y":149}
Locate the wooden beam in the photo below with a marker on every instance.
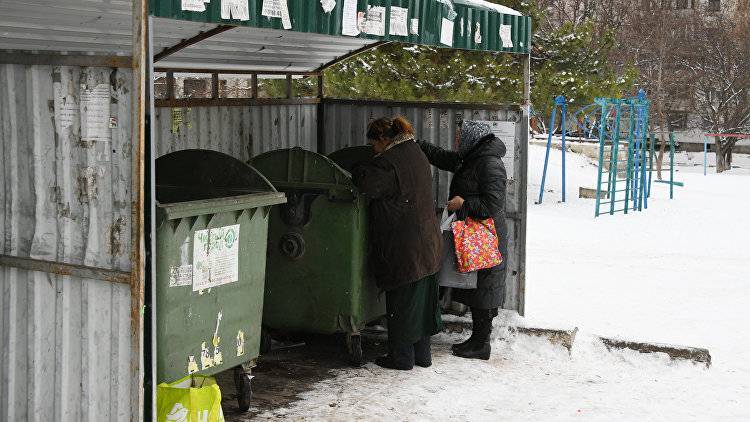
{"x":190,"y":41}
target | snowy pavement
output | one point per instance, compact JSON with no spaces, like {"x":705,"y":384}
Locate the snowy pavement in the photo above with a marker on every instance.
{"x":677,"y":273}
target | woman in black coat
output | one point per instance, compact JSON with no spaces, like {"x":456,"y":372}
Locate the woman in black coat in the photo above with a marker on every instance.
{"x":405,"y":245}
{"x":478,"y":191}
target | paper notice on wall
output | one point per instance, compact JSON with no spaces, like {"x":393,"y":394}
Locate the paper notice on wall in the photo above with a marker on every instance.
{"x":398,"y":23}
{"x":505,"y":36}
{"x":349,"y":19}
{"x":478,"y":33}
{"x":67,"y":111}
{"x":506,"y":132}
{"x":235,"y":9}
{"x":375,"y":21}
{"x":277,"y":9}
{"x":194,"y":5}
{"x":180,"y":275}
{"x":95,"y":113}
{"x":414,"y":28}
{"x":328,"y":5}
{"x":215,"y":257}
{"x":446,"y":32}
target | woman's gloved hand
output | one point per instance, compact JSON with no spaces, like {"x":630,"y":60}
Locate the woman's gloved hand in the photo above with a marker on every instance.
{"x":455,"y":203}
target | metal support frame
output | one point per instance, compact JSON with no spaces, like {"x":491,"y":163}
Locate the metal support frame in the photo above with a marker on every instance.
{"x":141,"y":406}
{"x":62,"y":268}
{"x":168,"y":51}
{"x":57,"y":59}
{"x":351,"y":54}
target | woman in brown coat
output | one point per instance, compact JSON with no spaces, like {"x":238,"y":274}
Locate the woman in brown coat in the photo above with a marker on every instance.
{"x":405,"y":240}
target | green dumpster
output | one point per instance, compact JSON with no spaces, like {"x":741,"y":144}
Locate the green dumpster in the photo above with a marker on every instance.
{"x":211,"y":238}
{"x":317,"y":279}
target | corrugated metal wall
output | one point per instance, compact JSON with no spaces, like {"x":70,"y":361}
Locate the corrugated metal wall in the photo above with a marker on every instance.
{"x":241,"y":132}
{"x":65,"y":140}
{"x":346,"y":125}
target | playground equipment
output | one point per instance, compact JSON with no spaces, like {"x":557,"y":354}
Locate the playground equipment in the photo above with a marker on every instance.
{"x":626,"y":151}
{"x":720,"y":135}
{"x":632,"y":137}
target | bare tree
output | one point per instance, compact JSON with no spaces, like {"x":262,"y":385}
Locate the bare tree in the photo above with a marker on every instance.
{"x":657,"y":38}
{"x":721,"y":82}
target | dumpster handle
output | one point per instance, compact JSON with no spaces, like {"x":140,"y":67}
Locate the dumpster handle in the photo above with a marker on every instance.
{"x":268,"y":182}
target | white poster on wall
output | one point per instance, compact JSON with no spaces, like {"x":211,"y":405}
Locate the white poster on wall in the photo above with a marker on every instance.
{"x":506,"y":132}
{"x":398,"y":23}
{"x":505,"y":36}
{"x":328,"y":5}
{"x":215,"y":257}
{"x":235,"y":9}
{"x":277,"y":9}
{"x":194,"y":5}
{"x":375,"y":21}
{"x":349,"y":19}
{"x":446,"y":32}
{"x":95,"y":113}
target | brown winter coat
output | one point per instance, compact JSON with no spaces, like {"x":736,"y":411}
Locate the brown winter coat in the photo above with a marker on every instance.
{"x":405,"y":239}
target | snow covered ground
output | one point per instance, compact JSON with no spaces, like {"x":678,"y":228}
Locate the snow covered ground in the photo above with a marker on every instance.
{"x":678,"y":273}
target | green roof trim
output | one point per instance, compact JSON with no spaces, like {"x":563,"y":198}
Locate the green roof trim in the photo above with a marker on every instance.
{"x":307,"y":16}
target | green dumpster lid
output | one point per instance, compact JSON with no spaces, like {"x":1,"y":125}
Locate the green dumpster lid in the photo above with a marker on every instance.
{"x":299,"y":168}
{"x":193,"y":182}
{"x":349,"y":157}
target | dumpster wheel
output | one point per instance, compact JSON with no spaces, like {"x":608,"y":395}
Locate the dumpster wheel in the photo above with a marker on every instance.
{"x":243,"y":384}
{"x":354,"y":348}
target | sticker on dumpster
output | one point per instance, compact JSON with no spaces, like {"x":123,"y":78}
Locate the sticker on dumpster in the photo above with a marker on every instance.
{"x":215,"y":257}
{"x":240,"y":343}
{"x":192,"y":365}
{"x":180,"y":275}
{"x":206,"y":360}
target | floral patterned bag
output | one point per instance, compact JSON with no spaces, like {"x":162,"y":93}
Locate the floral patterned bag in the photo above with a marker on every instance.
{"x":476,"y":244}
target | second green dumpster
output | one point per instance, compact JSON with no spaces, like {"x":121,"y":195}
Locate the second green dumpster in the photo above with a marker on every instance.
{"x":317,"y":279}
{"x":212,"y":221}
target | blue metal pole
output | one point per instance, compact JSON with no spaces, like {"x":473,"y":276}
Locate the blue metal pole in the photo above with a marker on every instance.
{"x":615,"y":158}
{"x":602,"y":141}
{"x":560,"y":100}
{"x":546,"y":155}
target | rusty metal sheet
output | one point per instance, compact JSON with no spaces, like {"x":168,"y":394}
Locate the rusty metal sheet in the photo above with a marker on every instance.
{"x":65,"y":145}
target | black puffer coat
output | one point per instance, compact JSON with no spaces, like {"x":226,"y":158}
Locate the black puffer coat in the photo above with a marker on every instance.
{"x":480,"y":179}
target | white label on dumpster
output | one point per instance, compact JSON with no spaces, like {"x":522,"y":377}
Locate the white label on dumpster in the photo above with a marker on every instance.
{"x":180,"y":275}
{"x":506,"y":132}
{"x":216,"y":257}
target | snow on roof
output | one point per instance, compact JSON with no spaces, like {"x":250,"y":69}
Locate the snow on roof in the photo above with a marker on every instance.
{"x":487,"y":5}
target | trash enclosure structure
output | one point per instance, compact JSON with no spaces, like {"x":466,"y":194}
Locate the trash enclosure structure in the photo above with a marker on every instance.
{"x":93,"y":92}
{"x":211,"y":237}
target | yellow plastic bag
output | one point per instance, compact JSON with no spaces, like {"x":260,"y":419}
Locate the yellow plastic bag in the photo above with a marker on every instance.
{"x":194,"y":398}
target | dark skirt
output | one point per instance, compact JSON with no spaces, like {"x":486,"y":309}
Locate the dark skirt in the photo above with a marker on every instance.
{"x":490,"y":291}
{"x":413,"y":311}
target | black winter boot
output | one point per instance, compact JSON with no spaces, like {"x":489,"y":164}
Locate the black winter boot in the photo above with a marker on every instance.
{"x":480,"y":347}
{"x":422,"y":354}
{"x":399,"y":357}
{"x":476,"y":315}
